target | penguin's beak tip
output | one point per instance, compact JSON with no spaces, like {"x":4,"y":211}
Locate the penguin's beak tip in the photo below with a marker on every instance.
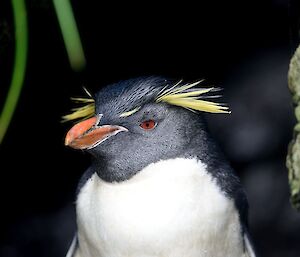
{"x":78,"y":130}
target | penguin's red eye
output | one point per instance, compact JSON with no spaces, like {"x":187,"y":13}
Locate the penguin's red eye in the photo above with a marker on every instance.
{"x":148,"y":124}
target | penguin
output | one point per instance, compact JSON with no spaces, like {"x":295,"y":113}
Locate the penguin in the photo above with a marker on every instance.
{"x":158,"y":184}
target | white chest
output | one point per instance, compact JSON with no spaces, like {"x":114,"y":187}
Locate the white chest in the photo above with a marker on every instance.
{"x":170,"y":209}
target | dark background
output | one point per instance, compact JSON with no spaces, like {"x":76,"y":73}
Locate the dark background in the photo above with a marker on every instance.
{"x":242,"y":46}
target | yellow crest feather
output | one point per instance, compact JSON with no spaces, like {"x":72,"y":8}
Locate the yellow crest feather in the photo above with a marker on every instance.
{"x":83,"y":112}
{"x":188,"y":97}
{"x":127,"y":114}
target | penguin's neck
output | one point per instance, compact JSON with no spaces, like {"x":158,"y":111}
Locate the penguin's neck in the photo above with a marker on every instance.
{"x":170,"y":208}
{"x":199,"y":144}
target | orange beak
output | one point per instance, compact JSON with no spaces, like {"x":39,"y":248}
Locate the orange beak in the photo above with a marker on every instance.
{"x":87,"y":134}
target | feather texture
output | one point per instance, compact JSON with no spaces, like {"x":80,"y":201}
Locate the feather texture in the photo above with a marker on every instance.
{"x":184,"y":95}
{"x":83,"y":112}
{"x":188,"y":97}
{"x":126,"y":114}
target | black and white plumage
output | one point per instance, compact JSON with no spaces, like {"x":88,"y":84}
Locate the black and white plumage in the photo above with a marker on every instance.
{"x":158,"y":185}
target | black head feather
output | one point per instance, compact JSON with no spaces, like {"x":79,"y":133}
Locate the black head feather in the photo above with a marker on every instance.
{"x":128,"y":94}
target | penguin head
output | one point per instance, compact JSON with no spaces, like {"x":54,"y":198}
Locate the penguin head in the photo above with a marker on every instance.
{"x":141,"y":121}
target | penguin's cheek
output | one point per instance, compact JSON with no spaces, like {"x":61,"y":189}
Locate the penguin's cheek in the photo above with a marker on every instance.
{"x":87,"y":134}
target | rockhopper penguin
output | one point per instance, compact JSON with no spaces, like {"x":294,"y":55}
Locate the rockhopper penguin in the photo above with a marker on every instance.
{"x":158,"y":185}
